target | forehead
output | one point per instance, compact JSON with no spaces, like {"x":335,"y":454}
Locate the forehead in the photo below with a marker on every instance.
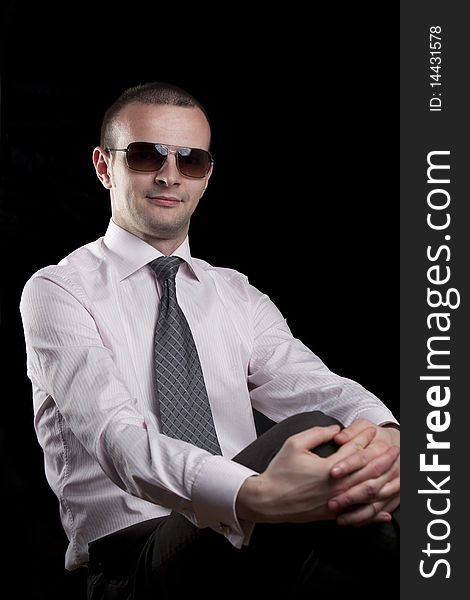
{"x":173,"y":125}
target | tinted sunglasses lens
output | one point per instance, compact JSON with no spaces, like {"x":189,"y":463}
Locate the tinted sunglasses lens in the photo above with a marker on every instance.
{"x":193,"y":162}
{"x":142,"y":156}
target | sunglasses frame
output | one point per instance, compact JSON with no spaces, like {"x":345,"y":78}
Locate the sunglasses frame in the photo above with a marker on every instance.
{"x":170,"y":150}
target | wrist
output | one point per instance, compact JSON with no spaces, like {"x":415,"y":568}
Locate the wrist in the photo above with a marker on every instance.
{"x":249,"y":499}
{"x":393,"y":432}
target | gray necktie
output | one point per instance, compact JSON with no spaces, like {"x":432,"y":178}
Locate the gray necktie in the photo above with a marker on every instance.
{"x":184,"y":406}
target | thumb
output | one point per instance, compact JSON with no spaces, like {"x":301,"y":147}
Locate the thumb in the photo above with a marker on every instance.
{"x":314,"y":436}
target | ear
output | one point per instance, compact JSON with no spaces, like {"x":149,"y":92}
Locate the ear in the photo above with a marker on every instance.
{"x":101,"y":163}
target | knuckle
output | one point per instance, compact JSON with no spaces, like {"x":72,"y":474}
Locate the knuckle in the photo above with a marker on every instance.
{"x":370,"y":490}
{"x":381,"y":447}
{"x":376,"y":508}
{"x":376,"y":471}
{"x":291,"y":443}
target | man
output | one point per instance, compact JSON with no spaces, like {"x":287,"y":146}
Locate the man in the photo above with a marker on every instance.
{"x":145,"y":373}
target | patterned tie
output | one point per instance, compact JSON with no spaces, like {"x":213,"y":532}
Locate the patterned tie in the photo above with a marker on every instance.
{"x":184,"y":406}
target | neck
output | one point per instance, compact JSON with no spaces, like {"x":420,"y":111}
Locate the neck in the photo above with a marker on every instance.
{"x":164,"y":245}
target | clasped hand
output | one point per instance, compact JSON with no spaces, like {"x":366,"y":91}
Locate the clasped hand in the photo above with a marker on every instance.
{"x":357,"y":484}
{"x":368,"y":472}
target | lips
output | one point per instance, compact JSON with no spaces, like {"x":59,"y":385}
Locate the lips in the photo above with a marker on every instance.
{"x":164,"y":200}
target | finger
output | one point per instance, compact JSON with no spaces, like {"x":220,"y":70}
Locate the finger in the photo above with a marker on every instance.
{"x":368,"y":490}
{"x":355,"y":447}
{"x":360,"y":441}
{"x":391,"y":488}
{"x":312,"y":437}
{"x":392,"y":504}
{"x":382,"y":517}
{"x":386,"y":513}
{"x":373,"y":490}
{"x":377,"y":512}
{"x":352,"y":430}
{"x":373,"y":461}
{"x":365,"y":493}
{"x":363,"y":514}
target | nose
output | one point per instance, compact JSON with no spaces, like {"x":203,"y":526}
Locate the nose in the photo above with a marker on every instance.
{"x":168,"y":175}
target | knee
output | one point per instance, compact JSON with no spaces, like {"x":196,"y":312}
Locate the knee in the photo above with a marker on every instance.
{"x":314,"y":418}
{"x":259,"y":453}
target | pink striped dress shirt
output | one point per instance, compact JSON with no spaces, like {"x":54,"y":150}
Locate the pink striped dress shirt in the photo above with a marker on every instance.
{"x":89,"y":327}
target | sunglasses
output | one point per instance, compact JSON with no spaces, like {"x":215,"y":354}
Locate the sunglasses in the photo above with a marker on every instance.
{"x":147,"y":157}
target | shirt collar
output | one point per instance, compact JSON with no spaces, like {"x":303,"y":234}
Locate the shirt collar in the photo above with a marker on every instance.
{"x":129,"y":253}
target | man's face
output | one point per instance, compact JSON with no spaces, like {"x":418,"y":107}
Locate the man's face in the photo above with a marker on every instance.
{"x":158,"y":205}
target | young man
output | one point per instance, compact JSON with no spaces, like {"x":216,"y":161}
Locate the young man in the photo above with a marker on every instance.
{"x":146,"y":366}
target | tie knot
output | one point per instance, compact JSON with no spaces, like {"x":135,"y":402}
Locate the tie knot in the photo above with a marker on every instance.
{"x":166,"y":267}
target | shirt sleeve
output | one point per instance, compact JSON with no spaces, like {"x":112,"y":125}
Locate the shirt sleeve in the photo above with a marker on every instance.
{"x":286,"y":377}
{"x":69,"y":362}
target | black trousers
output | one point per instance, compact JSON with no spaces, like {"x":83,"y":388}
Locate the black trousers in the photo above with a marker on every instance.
{"x":168,"y":557}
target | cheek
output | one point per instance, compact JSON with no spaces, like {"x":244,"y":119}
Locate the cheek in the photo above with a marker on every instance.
{"x":126,"y":188}
{"x":122,"y":195}
{"x":198,"y":190}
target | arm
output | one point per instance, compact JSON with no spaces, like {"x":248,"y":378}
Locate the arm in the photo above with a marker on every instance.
{"x":297,"y":485}
{"x":286,"y":378}
{"x":372,"y":495}
{"x":72,"y":366}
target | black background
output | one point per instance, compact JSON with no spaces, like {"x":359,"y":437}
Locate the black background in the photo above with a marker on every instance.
{"x":305,"y":183}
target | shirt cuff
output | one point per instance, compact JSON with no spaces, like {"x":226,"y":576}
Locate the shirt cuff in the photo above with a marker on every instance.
{"x":390,"y":424}
{"x":214,"y":495}
{"x":376,"y":415}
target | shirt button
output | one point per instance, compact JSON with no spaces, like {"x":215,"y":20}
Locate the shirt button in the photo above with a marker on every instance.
{"x":223,"y":528}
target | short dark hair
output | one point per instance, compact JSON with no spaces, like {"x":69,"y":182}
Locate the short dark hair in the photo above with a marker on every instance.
{"x":155,"y":92}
